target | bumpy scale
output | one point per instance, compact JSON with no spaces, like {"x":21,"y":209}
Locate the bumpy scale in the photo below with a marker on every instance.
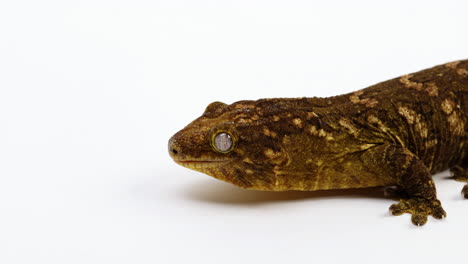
{"x":395,"y":133}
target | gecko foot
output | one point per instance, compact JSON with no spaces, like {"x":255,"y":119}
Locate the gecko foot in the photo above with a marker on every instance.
{"x":419,"y":208}
{"x":460,"y":174}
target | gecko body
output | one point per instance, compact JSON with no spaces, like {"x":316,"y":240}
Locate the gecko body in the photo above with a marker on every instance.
{"x":395,"y":133}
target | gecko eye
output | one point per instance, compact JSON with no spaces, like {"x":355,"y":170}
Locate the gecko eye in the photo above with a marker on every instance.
{"x":222,"y":142}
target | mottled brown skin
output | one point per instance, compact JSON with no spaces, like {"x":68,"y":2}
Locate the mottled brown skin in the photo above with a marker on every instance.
{"x":395,"y":133}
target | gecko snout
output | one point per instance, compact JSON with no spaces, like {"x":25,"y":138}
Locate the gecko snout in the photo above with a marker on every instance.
{"x":173,"y":148}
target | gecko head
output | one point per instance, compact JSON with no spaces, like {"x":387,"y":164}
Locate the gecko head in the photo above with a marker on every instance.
{"x":231,"y":143}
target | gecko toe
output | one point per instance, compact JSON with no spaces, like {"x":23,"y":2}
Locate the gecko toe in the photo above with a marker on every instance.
{"x":439,"y":213}
{"x":398,"y":208}
{"x":465,"y":191}
{"x":419,"y":219}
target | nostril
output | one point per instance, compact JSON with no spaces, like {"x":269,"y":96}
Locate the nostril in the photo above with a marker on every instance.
{"x":173,"y":147}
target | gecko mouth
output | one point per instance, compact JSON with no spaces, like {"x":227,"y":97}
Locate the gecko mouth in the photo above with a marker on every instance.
{"x":200,"y":164}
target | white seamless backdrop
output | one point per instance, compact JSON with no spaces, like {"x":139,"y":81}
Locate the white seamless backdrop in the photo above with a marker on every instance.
{"x":90,"y":92}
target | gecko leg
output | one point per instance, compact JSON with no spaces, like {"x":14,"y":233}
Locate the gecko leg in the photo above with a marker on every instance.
{"x":414,"y":188}
{"x":415,"y":179}
{"x":461,"y":174}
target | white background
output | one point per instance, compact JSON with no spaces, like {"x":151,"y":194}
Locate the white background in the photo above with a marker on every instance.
{"x":90,"y":92}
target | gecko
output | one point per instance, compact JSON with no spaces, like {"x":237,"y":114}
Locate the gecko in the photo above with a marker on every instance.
{"x":394,"y":134}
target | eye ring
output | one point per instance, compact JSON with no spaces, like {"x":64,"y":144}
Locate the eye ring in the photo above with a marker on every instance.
{"x":223,"y":141}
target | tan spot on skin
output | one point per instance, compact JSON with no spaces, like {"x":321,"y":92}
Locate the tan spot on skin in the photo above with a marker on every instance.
{"x":456,"y":124}
{"x":373,"y":119}
{"x":259,"y":111}
{"x":247,"y":160}
{"x":267,"y":132}
{"x":320,"y":133}
{"x":369,"y":102}
{"x":244,"y":121}
{"x":297,"y":122}
{"x":421,"y":127}
{"x":366,"y":146}
{"x":346,"y":123}
{"x":447,"y":106}
{"x":311,"y":115}
{"x":432,"y":89}
{"x":462,"y":72}
{"x":410,"y":84}
{"x":275,"y":157}
{"x":244,"y":106}
{"x":414,"y":119}
{"x":354,"y":99}
{"x":249,"y":171}
{"x":276,"y":118}
{"x":453,"y":65}
{"x":313,"y":130}
{"x":431,"y":143}
{"x":269,"y":153}
{"x":407,"y":113}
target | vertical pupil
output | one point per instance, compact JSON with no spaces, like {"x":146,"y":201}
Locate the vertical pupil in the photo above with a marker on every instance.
{"x":223,"y":142}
